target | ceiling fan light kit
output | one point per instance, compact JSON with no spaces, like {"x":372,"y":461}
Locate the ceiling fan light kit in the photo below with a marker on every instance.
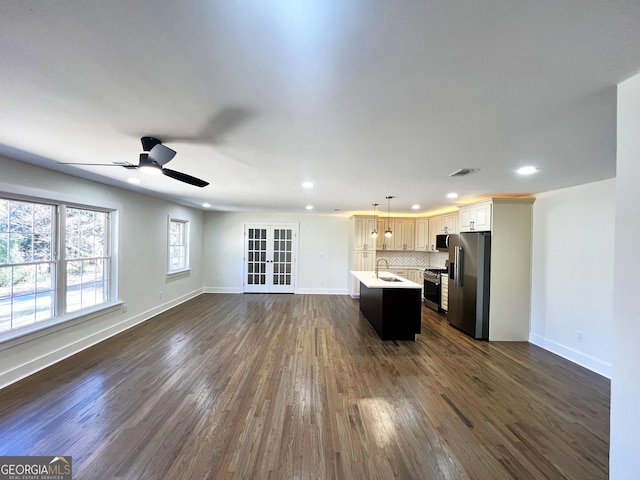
{"x":147,"y":166}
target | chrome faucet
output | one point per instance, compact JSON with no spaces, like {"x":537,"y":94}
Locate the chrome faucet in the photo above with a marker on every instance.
{"x":378,"y":265}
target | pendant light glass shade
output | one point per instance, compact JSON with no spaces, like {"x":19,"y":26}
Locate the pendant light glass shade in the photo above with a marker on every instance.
{"x":374,"y":232}
{"x":388,"y":233}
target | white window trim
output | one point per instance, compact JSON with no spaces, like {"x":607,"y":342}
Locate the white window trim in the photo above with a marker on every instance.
{"x":187,"y":241}
{"x":19,"y":193}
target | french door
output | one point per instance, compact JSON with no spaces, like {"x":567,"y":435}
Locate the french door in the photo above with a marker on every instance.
{"x":270,"y":253}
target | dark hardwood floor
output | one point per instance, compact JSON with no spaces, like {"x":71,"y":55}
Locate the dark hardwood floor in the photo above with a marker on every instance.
{"x":299,"y":386}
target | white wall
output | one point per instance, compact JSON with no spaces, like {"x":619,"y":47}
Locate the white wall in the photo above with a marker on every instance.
{"x":572,"y":273}
{"x":322,"y":251}
{"x":142,"y":266}
{"x":625,"y":377}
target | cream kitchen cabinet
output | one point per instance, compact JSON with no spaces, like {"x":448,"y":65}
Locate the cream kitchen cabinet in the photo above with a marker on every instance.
{"x":411,"y":274}
{"x":449,"y":223}
{"x":444,"y":292}
{"x":404,"y":235}
{"x":363,"y":253}
{"x":365,"y":261}
{"x":421,"y":243}
{"x":415,"y":275}
{"x":401,"y":272}
{"x":362,"y":235}
{"x":434,"y":229}
{"x":476,"y":217}
{"x":382,"y":242}
{"x":441,"y":225}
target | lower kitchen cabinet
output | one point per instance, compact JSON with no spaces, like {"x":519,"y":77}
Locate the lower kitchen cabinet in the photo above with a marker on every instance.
{"x":364,"y":261}
{"x":444,"y":292}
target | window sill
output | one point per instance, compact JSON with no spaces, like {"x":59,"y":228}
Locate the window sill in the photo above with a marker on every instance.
{"x":40,"y":329}
{"x":177,"y":273}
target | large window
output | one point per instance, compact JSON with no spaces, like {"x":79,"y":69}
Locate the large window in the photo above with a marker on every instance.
{"x":178,"y":245}
{"x":54,"y":260}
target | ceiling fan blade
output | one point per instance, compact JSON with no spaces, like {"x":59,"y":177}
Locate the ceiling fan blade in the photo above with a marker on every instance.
{"x":114,"y":164}
{"x":225,"y":121}
{"x":161,"y":154}
{"x":148,"y":143}
{"x":183,"y":177}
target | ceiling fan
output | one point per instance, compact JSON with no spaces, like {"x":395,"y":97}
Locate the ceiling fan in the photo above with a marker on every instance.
{"x":152,"y":158}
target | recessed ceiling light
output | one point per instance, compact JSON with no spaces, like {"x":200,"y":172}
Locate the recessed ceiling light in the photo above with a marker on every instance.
{"x":452,"y":195}
{"x":527,"y":170}
{"x":134,"y":181}
{"x":206,"y":205}
{"x":307,"y":184}
{"x":415,"y":206}
{"x":309,"y":207}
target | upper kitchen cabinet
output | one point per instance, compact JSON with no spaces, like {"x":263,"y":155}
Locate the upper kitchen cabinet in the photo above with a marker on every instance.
{"x":441,"y":225}
{"x":382,"y":242}
{"x":404,"y":235}
{"x":449,"y":223}
{"x":476,"y":217}
{"x":422,"y":235}
{"x":362,"y":235}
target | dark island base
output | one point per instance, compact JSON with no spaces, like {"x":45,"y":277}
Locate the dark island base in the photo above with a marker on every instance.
{"x":394,"y":313}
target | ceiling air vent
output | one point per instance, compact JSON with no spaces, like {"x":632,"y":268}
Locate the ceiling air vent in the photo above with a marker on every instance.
{"x":463,"y":172}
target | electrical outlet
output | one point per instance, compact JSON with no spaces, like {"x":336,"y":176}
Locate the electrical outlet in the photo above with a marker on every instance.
{"x":160,"y":296}
{"x":580,"y":336}
{"x":124,"y":308}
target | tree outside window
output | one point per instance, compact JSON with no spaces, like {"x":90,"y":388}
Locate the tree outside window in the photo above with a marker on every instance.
{"x":41,"y":281}
{"x":178,"y":245}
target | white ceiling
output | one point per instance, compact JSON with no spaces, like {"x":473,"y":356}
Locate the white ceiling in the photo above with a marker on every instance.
{"x":366,"y":98}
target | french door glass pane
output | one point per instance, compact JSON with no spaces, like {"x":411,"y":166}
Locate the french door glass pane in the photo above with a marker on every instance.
{"x":256,"y":256}
{"x":282,"y":256}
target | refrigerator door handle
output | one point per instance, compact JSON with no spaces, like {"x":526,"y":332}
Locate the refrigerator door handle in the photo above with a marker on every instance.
{"x":459,"y":257}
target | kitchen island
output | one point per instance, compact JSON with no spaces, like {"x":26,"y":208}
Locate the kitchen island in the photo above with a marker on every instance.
{"x":392,"y":304}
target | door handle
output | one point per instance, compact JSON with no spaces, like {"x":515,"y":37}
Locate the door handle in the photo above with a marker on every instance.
{"x":459,"y":259}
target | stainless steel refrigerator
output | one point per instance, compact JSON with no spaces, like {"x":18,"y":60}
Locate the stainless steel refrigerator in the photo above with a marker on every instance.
{"x":469,"y":283}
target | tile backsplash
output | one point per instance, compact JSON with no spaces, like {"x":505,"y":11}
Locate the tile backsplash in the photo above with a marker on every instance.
{"x":414,"y":259}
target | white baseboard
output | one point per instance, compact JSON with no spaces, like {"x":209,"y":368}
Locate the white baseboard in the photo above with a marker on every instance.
{"x":47,"y":359}
{"x":298,"y":291}
{"x":586,"y":361}
{"x":221,"y":290}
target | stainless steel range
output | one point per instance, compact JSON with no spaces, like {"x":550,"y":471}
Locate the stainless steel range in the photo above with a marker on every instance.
{"x":432,"y":287}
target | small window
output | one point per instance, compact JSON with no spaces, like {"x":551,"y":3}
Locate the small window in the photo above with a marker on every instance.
{"x":178,"y":245}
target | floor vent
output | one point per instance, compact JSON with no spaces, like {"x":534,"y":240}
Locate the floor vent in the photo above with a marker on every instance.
{"x":463,"y":172}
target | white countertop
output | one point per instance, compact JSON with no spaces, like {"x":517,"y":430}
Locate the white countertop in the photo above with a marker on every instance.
{"x":368,"y":278}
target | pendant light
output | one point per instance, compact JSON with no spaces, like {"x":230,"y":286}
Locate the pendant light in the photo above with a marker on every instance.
{"x":374,"y":232}
{"x":388,"y":232}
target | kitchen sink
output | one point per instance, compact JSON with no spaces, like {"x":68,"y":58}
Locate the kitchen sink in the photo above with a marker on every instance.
{"x":390,"y":279}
